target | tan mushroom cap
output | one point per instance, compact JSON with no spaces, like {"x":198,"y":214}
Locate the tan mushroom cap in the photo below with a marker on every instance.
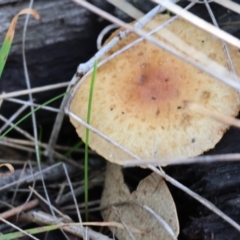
{"x":139,"y":99}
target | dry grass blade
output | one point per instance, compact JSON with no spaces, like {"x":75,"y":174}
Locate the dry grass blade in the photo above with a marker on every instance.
{"x":200,"y":22}
{"x":213,"y":114}
{"x":182,"y":161}
{"x":127,"y":8}
{"x":34,"y":90}
{"x":10,"y":168}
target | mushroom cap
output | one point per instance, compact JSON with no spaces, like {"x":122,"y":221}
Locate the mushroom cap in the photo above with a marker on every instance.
{"x":139,"y":96}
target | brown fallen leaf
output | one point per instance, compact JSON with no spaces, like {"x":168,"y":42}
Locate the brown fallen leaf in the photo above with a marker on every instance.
{"x":151,"y":193}
{"x":10,"y":168}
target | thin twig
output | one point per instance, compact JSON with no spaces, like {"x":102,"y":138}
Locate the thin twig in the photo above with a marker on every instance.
{"x":34,"y":90}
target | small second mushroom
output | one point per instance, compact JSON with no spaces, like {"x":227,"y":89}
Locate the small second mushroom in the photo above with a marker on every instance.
{"x":139,"y":99}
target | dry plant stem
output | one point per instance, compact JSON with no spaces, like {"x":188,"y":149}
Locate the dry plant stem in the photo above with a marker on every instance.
{"x":50,"y":205}
{"x":14,"y":161}
{"x":80,"y":205}
{"x":84,"y":68}
{"x":123,"y":223}
{"x":27,"y":135}
{"x":34,"y":90}
{"x":161,"y":221}
{"x":229,"y":62}
{"x":73,"y":194}
{"x":43,"y":218}
{"x":127,"y":8}
{"x":229,"y":4}
{"x":183,"y":161}
{"x":17,"y":228}
{"x":13,"y":117}
{"x":202,"y":200}
{"x":34,"y":121}
{"x":21,"y":175}
{"x":24,"y":133}
{"x":50,"y":173}
{"x":26,"y":103}
{"x":60,"y":192}
{"x":19,"y":209}
{"x":103,"y":33}
{"x":30,"y":143}
{"x":199,"y":22}
{"x":214,"y":115}
{"x":27,"y":149}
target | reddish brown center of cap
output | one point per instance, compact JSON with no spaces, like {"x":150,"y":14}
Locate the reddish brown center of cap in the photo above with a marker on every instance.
{"x":153,"y":84}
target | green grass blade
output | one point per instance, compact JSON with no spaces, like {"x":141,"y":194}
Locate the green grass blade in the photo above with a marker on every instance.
{"x":69,"y":152}
{"x":30,"y":113}
{"x":87,"y":139}
{"x":7,"y":43}
{"x":16,"y":235}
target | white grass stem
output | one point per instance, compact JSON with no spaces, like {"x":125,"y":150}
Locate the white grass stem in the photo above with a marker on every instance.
{"x":128,"y":8}
{"x":182,"y":161}
{"x":26,"y":103}
{"x":200,"y":23}
{"x":18,"y":229}
{"x":13,"y":117}
{"x":196,"y":196}
{"x":34,"y":90}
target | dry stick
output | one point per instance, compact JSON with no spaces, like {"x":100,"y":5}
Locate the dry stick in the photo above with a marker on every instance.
{"x":82,"y":69}
{"x":162,"y":222}
{"x":181,"y":161}
{"x":13,"y":117}
{"x":224,"y":45}
{"x":123,"y":223}
{"x":51,"y":173}
{"x":127,"y":8}
{"x":34,"y":90}
{"x":199,"y":22}
{"x":202,"y":200}
{"x":213,"y":114}
{"x":27,"y":149}
{"x":19,"y":209}
{"x":27,"y":135}
{"x":17,"y":228}
{"x":49,"y":204}
{"x":73,"y":195}
{"x":43,"y":218}
{"x":26,"y":103}
{"x":30,"y":143}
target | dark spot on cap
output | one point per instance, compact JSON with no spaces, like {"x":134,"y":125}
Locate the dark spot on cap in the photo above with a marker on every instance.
{"x":193,"y":140}
{"x":179,"y":107}
{"x":158,"y":111}
{"x":142,"y":79}
{"x":153,"y":98}
{"x":123,"y":112}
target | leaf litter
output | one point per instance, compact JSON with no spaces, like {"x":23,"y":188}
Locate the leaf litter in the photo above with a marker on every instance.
{"x":151,"y":192}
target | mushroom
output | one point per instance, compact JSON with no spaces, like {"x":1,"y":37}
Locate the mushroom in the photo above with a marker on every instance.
{"x":139,"y":98}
